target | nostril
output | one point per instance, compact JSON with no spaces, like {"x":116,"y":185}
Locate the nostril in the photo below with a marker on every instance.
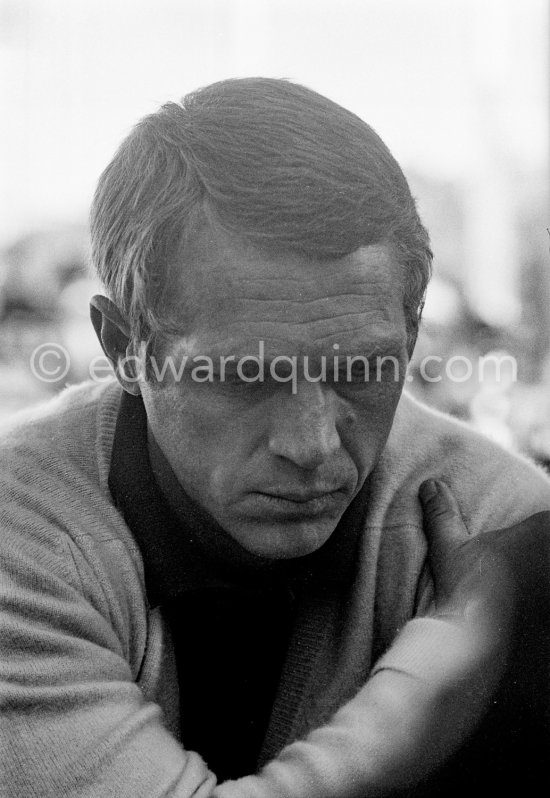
{"x":307,"y":447}
{"x":304,"y":427}
{"x":349,"y":418}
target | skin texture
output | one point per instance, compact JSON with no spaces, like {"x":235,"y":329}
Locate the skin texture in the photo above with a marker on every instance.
{"x":276,"y":462}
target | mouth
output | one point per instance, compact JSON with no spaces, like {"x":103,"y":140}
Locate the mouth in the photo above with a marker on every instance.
{"x":300,"y":504}
{"x":301,"y":497}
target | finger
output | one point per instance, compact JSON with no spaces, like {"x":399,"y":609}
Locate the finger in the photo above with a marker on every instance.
{"x":443,"y":524}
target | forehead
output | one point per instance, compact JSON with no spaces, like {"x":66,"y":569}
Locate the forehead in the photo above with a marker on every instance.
{"x":233,"y":295}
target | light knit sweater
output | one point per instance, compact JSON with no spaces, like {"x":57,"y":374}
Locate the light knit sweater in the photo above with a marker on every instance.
{"x":88,"y":688}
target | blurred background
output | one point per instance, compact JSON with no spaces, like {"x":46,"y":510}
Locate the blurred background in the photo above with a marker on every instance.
{"x":459,"y":90}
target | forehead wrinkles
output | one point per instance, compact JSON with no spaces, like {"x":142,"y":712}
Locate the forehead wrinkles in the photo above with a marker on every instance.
{"x":364,"y":341}
{"x":334,"y":328}
{"x":243,"y":289}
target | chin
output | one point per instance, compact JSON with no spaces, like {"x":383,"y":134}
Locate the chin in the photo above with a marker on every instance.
{"x":285,"y":541}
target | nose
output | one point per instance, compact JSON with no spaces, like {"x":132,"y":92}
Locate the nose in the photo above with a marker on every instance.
{"x":303,"y":428}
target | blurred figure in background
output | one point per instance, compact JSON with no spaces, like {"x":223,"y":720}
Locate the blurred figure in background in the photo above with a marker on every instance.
{"x":45,"y":285}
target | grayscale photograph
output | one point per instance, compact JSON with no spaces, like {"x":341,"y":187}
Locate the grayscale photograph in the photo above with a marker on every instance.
{"x":274,"y":398}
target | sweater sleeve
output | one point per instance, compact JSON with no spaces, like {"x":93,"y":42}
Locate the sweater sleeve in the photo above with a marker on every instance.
{"x":422,"y":699}
{"x":73,"y":722}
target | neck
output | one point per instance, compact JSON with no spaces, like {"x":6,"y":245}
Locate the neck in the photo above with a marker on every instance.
{"x":173,"y":492}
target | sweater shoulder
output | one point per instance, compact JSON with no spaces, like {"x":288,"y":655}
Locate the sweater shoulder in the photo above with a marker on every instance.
{"x":494,"y":487}
{"x":57,"y":517}
{"x":54,"y":467}
{"x":72,"y":432}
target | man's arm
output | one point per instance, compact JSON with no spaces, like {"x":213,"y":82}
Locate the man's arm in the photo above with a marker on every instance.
{"x":73,"y":722}
{"x":429,"y":691}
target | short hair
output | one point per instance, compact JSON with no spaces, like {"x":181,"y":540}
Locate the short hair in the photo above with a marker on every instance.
{"x":274,"y":163}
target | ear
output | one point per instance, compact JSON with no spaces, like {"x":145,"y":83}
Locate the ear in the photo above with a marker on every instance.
{"x":114,"y":336}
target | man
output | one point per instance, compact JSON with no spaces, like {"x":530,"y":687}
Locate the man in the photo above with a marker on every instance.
{"x":210,"y":554}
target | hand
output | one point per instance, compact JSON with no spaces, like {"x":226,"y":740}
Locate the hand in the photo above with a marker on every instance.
{"x":504,"y":575}
{"x":468,"y":572}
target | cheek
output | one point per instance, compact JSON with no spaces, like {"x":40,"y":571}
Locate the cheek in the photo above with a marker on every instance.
{"x":373,"y":414}
{"x":178,"y":414}
{"x":387,"y":399}
{"x":204,"y":438}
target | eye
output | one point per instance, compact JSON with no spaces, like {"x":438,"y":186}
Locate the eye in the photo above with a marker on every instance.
{"x":245,"y":378}
{"x":355,"y":371}
{"x":387,"y":368}
{"x":228,"y":378}
{"x":250,"y":372}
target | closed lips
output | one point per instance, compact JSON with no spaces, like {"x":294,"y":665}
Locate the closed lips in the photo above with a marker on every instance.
{"x":300,"y":498}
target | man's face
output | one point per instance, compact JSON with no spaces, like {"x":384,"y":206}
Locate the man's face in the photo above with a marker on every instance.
{"x":276,"y":462}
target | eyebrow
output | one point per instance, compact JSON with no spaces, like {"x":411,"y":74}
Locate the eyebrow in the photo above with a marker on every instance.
{"x":381,"y":347}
